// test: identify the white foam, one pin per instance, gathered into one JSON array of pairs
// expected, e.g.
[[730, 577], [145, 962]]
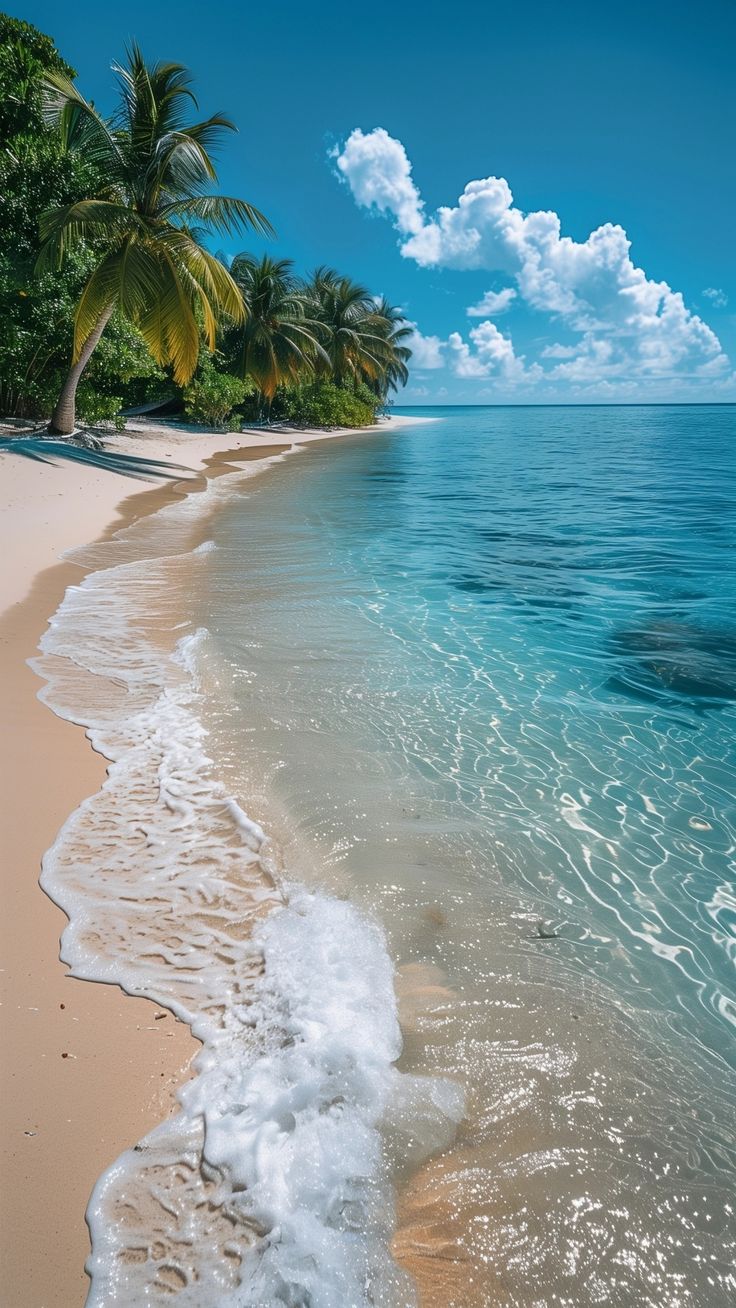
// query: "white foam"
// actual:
[[299, 1125], [273, 1184]]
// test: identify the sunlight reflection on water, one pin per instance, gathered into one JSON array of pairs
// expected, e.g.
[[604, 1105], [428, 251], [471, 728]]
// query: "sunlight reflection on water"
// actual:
[[480, 675]]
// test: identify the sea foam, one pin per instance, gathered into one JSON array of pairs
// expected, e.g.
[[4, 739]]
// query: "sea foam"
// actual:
[[273, 1184]]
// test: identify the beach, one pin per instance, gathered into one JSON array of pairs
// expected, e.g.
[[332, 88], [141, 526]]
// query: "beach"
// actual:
[[367, 660], [353, 833], [86, 1069]]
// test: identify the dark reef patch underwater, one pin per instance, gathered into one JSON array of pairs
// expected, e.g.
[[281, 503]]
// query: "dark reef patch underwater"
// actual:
[[687, 662]]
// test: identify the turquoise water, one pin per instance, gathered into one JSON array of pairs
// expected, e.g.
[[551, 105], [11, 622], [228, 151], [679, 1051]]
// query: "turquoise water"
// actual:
[[479, 675]]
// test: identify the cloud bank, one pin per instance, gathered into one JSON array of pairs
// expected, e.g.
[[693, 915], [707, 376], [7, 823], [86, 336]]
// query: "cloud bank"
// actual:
[[628, 327]]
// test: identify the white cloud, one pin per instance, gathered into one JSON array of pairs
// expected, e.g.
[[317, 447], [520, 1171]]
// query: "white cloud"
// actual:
[[559, 351], [630, 327], [491, 355], [426, 351], [464, 362], [716, 296], [492, 303], [379, 173]]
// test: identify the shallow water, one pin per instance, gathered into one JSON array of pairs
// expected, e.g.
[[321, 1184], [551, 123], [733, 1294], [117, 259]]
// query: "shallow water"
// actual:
[[273, 1184], [479, 676]]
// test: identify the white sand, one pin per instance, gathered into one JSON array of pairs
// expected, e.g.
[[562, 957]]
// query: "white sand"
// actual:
[[45, 511]]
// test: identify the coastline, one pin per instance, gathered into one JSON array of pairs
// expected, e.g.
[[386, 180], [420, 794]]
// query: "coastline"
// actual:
[[75, 1053]]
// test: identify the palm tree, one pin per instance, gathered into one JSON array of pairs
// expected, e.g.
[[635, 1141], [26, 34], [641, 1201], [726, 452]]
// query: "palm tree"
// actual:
[[396, 331], [356, 346], [150, 264], [279, 342]]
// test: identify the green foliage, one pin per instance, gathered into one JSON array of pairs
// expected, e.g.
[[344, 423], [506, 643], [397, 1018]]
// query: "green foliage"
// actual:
[[211, 395], [357, 348], [323, 404], [37, 310], [36, 344], [121, 373], [39, 50], [36, 173], [321, 352], [146, 217], [279, 342]]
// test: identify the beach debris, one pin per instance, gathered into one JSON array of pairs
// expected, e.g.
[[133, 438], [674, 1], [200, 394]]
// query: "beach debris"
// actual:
[[158, 1016], [65, 1055], [435, 916], [544, 931], [30, 1132]]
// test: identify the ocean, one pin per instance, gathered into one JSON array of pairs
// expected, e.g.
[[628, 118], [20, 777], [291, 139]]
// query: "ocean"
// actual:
[[423, 808]]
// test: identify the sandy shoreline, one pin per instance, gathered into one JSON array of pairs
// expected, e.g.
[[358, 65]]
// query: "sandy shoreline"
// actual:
[[75, 1054]]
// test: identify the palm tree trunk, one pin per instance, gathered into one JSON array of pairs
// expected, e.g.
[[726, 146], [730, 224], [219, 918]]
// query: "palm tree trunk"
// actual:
[[63, 417]]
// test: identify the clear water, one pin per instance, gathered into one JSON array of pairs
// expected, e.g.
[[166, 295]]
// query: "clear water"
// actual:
[[479, 676], [274, 1183]]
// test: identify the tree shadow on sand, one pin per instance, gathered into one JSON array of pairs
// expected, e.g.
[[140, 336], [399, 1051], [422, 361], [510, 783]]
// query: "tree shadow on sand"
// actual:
[[46, 450]]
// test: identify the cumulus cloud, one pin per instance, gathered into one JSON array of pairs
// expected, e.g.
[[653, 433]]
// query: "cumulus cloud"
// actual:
[[492, 303], [426, 351], [716, 296], [629, 326], [379, 173], [464, 362], [490, 354]]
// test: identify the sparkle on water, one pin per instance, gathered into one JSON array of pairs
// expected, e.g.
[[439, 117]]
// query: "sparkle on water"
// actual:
[[480, 675]]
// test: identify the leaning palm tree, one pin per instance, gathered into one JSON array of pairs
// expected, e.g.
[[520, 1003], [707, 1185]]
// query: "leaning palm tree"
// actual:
[[142, 224], [280, 341], [356, 346]]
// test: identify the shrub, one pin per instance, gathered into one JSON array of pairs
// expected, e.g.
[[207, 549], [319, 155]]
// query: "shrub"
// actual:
[[211, 395], [94, 408], [323, 404]]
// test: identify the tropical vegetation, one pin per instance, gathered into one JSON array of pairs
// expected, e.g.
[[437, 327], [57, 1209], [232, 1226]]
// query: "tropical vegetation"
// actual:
[[111, 292]]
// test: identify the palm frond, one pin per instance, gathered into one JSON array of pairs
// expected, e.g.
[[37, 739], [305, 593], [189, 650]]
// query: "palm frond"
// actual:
[[221, 212], [80, 125], [63, 229], [170, 326], [208, 271], [153, 97], [101, 291]]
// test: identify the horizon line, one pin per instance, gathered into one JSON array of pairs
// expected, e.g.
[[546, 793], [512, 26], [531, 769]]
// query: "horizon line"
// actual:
[[584, 404]]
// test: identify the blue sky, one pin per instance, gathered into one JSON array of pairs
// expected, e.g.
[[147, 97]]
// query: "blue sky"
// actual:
[[609, 117]]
